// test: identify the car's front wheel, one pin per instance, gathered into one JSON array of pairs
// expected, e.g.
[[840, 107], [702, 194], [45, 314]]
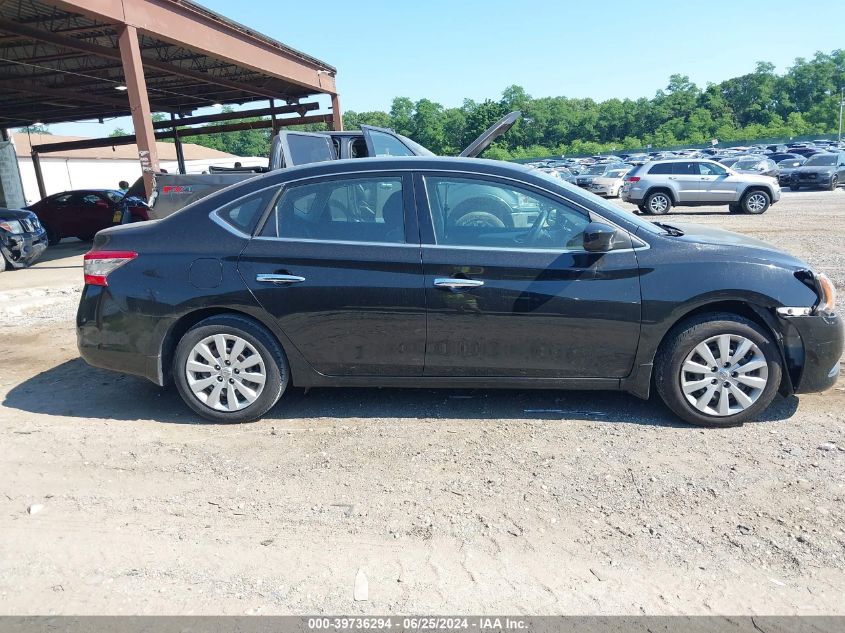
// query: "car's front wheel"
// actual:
[[834, 182], [717, 369], [658, 203], [52, 237], [228, 368], [755, 202]]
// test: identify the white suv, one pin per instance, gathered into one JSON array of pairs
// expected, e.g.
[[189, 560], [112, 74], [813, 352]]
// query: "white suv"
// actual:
[[659, 185]]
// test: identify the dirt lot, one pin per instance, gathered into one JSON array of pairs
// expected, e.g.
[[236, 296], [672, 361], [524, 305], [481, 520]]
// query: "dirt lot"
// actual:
[[448, 501]]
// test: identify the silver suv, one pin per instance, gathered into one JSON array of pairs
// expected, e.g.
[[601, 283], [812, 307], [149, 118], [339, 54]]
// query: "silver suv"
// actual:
[[659, 185]]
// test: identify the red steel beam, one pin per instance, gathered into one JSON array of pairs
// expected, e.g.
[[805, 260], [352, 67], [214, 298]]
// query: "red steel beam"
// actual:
[[186, 24], [142, 117]]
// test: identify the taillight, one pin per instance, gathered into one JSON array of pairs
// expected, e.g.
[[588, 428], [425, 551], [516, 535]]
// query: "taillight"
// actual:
[[632, 179], [100, 264]]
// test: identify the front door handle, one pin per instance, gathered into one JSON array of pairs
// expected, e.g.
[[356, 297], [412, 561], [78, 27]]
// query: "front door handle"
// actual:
[[452, 283], [279, 279]]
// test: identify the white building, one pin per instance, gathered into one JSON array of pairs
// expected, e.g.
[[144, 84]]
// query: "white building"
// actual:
[[105, 167]]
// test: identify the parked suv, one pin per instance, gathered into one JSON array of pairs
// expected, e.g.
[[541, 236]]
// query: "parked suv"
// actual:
[[658, 186]]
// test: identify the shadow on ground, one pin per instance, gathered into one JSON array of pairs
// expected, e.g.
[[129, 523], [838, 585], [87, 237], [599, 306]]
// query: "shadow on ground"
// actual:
[[78, 390]]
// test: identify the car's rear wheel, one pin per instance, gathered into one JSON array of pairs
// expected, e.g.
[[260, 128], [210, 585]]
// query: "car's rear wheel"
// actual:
[[717, 369], [834, 182], [658, 203], [228, 368], [755, 202]]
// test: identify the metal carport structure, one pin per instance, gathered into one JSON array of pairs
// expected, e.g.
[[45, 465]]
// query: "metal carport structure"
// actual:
[[71, 60]]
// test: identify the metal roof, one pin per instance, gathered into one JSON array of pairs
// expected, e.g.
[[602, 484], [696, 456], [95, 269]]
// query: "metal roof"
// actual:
[[60, 61]]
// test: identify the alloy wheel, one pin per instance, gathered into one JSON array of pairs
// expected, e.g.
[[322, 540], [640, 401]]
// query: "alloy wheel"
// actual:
[[724, 375], [225, 372], [756, 202], [658, 204]]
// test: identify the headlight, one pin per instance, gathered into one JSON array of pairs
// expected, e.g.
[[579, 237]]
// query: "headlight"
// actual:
[[827, 294], [12, 226]]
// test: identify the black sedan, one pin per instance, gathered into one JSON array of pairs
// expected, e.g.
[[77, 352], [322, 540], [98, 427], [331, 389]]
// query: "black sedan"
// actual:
[[438, 272], [822, 171], [22, 238]]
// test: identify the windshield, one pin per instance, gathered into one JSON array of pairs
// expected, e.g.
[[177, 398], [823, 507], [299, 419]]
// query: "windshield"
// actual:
[[790, 162], [616, 173], [595, 170], [747, 164], [822, 159]]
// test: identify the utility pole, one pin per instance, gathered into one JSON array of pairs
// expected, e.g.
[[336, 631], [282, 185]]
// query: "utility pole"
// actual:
[[841, 103]]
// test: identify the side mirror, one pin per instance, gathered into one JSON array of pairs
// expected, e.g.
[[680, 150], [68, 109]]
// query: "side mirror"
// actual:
[[598, 237]]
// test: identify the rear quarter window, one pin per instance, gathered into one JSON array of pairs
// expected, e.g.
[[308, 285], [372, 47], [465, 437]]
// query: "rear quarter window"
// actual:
[[661, 168], [243, 214]]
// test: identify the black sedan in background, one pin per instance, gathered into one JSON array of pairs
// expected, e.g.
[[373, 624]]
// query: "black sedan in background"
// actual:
[[369, 272], [821, 171], [22, 238]]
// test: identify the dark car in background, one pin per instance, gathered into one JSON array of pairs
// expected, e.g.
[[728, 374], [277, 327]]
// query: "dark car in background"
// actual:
[[84, 212], [22, 238], [821, 171], [786, 167], [354, 273]]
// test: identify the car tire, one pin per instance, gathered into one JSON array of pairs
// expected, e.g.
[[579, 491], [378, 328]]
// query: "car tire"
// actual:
[[52, 238], [2, 263], [211, 393], [481, 219], [658, 203], [795, 187], [755, 202], [834, 183], [486, 210], [694, 396], [734, 207]]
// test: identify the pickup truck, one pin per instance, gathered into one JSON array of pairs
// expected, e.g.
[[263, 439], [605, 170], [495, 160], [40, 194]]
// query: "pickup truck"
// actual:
[[171, 192]]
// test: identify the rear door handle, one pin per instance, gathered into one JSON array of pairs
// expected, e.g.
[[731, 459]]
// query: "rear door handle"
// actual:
[[279, 279], [449, 282]]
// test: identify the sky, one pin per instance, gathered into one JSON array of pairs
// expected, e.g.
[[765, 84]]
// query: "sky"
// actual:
[[449, 50]]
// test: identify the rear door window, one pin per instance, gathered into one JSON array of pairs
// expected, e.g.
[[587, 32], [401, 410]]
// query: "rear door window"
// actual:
[[348, 209], [685, 169]]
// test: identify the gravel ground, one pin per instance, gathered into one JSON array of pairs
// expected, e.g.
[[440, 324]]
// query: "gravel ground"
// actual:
[[446, 501]]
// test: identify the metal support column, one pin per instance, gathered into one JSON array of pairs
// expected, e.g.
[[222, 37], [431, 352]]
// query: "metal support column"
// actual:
[[180, 155], [274, 129], [337, 115], [39, 177], [136, 84]]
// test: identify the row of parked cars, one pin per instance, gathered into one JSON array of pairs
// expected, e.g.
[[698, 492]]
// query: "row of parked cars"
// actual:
[[816, 164], [26, 233]]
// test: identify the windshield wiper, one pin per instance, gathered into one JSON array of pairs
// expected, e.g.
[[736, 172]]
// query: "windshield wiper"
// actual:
[[674, 231]]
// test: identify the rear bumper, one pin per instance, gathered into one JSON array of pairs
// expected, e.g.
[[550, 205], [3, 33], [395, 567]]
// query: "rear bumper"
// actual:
[[22, 249], [822, 338], [112, 338]]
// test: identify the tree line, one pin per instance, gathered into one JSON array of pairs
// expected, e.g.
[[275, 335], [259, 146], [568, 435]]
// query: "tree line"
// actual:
[[804, 100]]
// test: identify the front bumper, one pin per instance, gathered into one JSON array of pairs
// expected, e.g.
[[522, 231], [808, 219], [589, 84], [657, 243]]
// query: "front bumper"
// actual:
[[811, 180], [822, 340], [22, 249]]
